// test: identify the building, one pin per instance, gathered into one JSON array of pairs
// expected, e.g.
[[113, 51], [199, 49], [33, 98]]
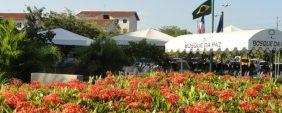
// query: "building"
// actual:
[[19, 18], [127, 20]]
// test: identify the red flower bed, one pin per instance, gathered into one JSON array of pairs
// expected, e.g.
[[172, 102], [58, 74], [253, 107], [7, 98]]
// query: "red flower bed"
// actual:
[[155, 92]]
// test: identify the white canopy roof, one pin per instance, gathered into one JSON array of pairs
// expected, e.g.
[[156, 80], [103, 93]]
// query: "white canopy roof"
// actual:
[[152, 36], [65, 37], [267, 39], [231, 28]]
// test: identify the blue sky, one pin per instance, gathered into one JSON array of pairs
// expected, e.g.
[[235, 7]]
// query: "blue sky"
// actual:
[[246, 14]]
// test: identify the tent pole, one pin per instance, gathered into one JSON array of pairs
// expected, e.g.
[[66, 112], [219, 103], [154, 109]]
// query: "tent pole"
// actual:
[[274, 65], [275, 55], [213, 1], [276, 69], [240, 61], [278, 74], [221, 66], [211, 61]]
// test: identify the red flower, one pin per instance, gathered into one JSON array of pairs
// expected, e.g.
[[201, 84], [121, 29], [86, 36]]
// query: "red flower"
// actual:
[[179, 79], [252, 93], [35, 84], [226, 77], [109, 73], [77, 84], [85, 96], [16, 83], [267, 97], [56, 85], [171, 98], [134, 105], [145, 96], [73, 108], [204, 86], [41, 109], [249, 106], [38, 109], [164, 91], [52, 98], [14, 99], [257, 87], [94, 90], [199, 107], [211, 91], [149, 81], [209, 75], [226, 94], [147, 106], [134, 84], [160, 74], [276, 91], [198, 77], [24, 105]]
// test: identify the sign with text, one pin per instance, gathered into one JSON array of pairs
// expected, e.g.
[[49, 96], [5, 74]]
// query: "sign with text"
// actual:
[[203, 45], [265, 44]]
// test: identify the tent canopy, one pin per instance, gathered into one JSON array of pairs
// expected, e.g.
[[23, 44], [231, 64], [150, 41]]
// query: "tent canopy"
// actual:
[[231, 28], [266, 39], [65, 37], [152, 36]]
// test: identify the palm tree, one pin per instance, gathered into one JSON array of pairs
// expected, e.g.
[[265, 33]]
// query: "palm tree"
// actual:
[[10, 38]]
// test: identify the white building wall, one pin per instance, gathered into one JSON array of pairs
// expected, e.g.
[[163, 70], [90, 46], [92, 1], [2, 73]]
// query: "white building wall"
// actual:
[[123, 25], [20, 22], [133, 24]]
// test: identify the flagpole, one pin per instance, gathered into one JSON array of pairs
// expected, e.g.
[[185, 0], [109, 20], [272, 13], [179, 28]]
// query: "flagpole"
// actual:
[[222, 20], [213, 16], [211, 57]]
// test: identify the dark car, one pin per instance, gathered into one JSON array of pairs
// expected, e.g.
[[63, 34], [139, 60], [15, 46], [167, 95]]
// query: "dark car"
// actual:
[[178, 64], [264, 65]]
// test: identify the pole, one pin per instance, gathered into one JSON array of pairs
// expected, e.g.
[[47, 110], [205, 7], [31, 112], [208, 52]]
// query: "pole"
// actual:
[[277, 23], [278, 67], [276, 62], [213, 1], [222, 20], [211, 61]]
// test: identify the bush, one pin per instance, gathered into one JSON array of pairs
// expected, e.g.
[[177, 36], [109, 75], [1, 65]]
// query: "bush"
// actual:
[[143, 50], [100, 57], [10, 39], [151, 93], [38, 54]]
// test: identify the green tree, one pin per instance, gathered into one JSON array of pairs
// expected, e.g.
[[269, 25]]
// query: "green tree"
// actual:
[[143, 50], [38, 52], [174, 31], [101, 56], [69, 22], [10, 38], [114, 31]]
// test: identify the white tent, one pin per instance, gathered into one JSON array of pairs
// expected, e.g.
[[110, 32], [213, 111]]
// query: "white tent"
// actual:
[[266, 39], [231, 28], [152, 36], [65, 37]]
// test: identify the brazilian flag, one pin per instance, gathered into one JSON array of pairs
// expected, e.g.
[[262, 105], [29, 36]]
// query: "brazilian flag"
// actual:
[[202, 10]]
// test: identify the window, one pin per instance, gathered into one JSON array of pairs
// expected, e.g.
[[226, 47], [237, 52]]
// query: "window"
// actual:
[[116, 21], [124, 20], [19, 25], [106, 17]]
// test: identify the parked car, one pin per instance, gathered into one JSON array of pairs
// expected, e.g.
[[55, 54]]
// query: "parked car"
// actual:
[[264, 65], [178, 64]]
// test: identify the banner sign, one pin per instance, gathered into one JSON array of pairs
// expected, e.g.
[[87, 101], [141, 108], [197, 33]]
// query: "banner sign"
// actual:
[[203, 45], [257, 43]]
